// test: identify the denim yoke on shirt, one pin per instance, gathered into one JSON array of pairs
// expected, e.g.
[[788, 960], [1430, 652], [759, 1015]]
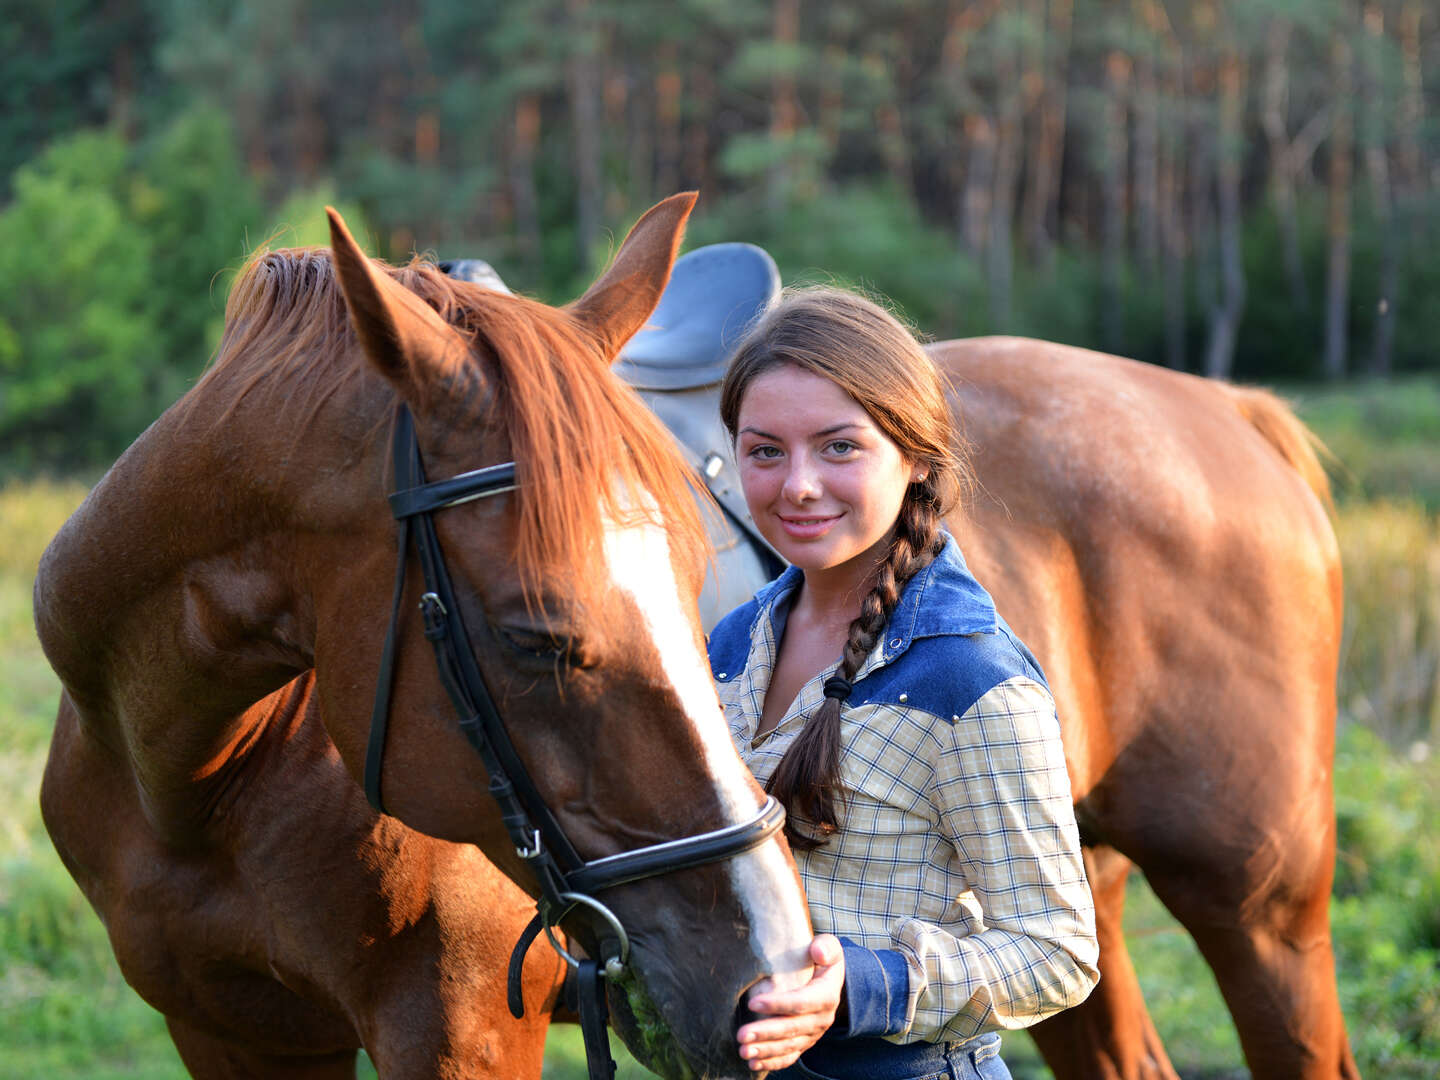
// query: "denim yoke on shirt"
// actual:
[[955, 880]]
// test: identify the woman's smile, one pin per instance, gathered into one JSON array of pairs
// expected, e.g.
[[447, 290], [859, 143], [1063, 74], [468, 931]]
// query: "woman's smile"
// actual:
[[807, 528]]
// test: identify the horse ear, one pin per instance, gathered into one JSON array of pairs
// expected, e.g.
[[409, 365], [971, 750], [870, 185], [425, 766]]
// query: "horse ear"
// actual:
[[625, 295], [402, 335]]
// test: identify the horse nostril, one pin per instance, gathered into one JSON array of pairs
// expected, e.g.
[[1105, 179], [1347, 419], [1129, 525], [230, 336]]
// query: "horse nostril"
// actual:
[[743, 1012]]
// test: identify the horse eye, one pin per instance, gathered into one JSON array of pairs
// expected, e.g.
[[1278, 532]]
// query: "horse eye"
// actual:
[[543, 644]]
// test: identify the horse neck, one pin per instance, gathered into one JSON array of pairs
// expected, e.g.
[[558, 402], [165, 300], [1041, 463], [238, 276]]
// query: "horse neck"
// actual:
[[172, 600]]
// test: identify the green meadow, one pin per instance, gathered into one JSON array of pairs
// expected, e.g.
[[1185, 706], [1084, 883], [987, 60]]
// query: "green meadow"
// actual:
[[66, 1014]]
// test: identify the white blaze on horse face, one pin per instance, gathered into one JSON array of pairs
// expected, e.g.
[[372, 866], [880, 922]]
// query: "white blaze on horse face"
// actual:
[[638, 558]]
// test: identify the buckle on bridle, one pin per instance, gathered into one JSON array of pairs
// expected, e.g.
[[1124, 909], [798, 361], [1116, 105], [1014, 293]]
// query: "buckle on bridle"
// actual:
[[432, 614], [533, 848]]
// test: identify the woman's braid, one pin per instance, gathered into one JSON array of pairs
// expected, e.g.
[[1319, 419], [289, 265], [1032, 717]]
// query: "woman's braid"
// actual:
[[807, 780]]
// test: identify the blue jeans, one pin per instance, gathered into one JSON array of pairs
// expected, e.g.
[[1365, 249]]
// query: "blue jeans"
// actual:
[[876, 1059]]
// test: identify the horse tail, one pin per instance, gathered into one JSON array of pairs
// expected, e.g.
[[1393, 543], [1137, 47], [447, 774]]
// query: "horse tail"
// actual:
[[1285, 431]]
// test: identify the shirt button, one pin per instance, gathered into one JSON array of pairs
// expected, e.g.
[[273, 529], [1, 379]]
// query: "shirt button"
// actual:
[[904, 698], [895, 643], [721, 675]]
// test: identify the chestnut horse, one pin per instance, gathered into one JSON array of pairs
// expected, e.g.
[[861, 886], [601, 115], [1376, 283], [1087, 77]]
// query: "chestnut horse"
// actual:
[[215, 611], [1161, 542]]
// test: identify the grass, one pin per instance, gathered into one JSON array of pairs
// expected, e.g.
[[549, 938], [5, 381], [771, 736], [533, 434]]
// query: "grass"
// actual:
[[1383, 435], [66, 1014]]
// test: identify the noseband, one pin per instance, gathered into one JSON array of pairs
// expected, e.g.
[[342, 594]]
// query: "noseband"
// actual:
[[567, 881]]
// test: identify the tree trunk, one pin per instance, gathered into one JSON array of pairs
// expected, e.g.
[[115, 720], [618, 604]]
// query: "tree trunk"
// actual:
[[582, 83], [970, 148], [642, 129], [525, 138], [1377, 169], [1342, 146], [1273, 118], [890, 127], [1147, 164], [695, 170], [979, 183], [1041, 212], [1200, 189], [668, 146], [1412, 102], [1225, 317], [1000, 251], [784, 106], [122, 90], [830, 116], [1116, 150], [615, 98], [1172, 225]]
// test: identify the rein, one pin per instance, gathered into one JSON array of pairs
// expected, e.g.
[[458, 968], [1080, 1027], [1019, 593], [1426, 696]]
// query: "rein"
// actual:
[[567, 881]]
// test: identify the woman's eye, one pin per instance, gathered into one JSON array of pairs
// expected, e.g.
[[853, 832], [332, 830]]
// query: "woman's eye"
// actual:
[[765, 452], [842, 448]]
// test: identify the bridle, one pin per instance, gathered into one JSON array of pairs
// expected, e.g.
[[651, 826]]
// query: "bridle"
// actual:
[[567, 881]]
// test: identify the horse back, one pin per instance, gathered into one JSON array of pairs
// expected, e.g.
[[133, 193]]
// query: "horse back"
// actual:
[[1165, 553]]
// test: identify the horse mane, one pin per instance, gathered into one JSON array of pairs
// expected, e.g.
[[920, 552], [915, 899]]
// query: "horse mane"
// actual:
[[585, 446]]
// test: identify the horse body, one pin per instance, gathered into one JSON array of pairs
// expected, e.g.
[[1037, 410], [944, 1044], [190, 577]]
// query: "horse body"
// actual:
[[298, 924], [215, 611], [1159, 542]]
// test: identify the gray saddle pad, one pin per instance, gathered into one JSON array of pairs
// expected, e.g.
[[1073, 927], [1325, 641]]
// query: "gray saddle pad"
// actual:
[[714, 294]]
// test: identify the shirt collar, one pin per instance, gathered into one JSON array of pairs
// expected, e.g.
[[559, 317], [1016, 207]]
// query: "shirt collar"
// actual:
[[944, 598]]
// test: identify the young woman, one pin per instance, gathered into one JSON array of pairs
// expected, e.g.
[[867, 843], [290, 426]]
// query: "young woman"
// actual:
[[875, 691]]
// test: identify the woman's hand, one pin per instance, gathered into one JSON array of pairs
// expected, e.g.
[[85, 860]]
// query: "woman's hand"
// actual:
[[791, 1021]]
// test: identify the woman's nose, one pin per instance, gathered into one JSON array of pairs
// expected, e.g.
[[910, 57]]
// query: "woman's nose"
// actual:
[[802, 484]]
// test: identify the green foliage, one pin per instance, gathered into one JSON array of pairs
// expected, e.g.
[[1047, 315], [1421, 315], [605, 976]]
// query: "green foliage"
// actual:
[[1386, 916], [195, 204], [851, 237], [67, 67], [301, 221], [112, 281], [1382, 435], [75, 306]]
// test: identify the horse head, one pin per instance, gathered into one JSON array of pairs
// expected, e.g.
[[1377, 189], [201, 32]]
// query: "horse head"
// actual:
[[577, 593]]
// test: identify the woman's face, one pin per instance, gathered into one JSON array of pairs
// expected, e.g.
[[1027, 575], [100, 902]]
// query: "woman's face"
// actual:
[[823, 483]]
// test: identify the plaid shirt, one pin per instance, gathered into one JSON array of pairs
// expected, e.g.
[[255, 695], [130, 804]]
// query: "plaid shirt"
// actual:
[[956, 880]]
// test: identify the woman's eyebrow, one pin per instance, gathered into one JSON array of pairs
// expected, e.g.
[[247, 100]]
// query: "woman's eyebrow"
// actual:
[[834, 429]]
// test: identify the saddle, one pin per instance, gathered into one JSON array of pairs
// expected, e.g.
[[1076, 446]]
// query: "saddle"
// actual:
[[675, 365]]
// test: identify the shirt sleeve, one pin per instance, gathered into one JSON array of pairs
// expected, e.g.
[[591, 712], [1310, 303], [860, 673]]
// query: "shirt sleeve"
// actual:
[[1002, 798]]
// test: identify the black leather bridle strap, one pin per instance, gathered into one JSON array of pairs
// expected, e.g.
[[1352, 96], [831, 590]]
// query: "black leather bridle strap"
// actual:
[[380, 710], [427, 498], [606, 873], [594, 1017]]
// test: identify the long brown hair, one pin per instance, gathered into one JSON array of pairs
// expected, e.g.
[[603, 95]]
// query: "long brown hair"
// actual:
[[872, 356]]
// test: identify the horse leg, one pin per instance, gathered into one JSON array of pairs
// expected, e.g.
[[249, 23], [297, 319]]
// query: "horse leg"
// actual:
[[1274, 964], [1110, 1035], [444, 1013], [209, 1057]]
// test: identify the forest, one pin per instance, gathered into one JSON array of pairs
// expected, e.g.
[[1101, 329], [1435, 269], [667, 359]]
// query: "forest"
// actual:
[[1240, 190], [1248, 191]]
